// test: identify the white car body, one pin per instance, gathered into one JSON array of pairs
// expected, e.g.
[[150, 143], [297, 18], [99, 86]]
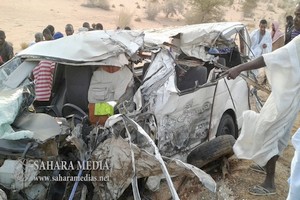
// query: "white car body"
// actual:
[[185, 119]]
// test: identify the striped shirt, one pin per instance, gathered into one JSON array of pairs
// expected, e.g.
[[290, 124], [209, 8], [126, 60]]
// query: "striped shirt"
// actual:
[[43, 77], [294, 34]]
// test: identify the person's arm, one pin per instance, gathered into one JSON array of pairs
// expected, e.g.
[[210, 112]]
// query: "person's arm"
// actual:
[[232, 73], [1, 60], [267, 42]]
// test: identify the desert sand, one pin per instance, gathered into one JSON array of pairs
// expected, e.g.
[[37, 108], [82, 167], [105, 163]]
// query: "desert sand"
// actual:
[[21, 19]]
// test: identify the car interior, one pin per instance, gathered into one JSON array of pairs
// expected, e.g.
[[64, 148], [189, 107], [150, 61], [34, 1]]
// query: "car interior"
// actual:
[[190, 77], [71, 83], [69, 92]]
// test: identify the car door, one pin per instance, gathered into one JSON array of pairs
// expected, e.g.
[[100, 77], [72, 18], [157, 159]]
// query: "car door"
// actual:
[[183, 117]]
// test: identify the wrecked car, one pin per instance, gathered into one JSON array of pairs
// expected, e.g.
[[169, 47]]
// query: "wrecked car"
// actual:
[[140, 126], [199, 105]]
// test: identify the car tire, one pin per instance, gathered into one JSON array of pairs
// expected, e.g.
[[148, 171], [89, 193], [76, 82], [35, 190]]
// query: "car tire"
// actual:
[[212, 150], [227, 126]]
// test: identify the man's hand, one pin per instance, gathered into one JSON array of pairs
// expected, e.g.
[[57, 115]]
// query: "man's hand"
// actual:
[[1, 61], [232, 73]]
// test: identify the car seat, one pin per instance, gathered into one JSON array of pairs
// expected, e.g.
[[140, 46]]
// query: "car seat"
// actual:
[[193, 77], [77, 86], [232, 58]]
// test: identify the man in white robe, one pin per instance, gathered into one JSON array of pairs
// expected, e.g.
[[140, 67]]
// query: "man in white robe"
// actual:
[[261, 40], [264, 135], [294, 180]]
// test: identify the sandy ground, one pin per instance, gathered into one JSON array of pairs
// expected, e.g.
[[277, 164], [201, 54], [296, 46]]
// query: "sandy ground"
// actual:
[[21, 19]]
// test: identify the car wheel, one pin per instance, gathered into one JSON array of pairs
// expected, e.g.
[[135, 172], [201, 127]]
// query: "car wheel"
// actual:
[[227, 126], [212, 150]]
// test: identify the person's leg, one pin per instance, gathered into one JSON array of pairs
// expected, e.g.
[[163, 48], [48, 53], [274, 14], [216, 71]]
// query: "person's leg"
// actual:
[[269, 182], [268, 186]]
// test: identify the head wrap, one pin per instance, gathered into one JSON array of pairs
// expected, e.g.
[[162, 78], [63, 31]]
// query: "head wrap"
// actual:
[[277, 32]]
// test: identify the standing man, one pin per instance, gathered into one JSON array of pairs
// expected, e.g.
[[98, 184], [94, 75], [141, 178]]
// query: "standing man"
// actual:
[[261, 40], [296, 25], [288, 28], [47, 34], [69, 30], [99, 26], [277, 36], [87, 26], [294, 180], [265, 135], [51, 29], [6, 50], [43, 78], [38, 37]]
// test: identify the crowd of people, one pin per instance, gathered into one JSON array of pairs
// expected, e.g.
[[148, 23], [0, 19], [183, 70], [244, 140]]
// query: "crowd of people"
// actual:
[[48, 33]]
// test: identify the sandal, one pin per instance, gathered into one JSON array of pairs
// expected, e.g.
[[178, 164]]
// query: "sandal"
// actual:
[[257, 168], [259, 190]]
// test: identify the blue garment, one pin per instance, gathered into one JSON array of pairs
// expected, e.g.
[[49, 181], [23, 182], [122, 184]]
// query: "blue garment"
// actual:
[[57, 35]]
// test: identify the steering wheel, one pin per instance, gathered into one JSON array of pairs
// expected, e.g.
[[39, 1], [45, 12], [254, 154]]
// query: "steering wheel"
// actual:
[[74, 107]]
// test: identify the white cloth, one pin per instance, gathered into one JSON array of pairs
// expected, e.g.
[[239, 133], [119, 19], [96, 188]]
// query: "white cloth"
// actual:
[[107, 86], [266, 134], [257, 46], [294, 181]]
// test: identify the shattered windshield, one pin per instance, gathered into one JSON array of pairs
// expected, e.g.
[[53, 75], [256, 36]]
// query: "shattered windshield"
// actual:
[[7, 69]]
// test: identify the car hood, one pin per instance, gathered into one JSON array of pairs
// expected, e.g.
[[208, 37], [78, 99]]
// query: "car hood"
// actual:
[[88, 48]]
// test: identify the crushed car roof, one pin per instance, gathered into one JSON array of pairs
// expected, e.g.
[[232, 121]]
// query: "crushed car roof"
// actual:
[[90, 46], [193, 38]]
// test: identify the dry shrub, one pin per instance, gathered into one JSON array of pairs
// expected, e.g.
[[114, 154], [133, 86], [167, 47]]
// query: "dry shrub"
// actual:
[[249, 14], [282, 5], [270, 8], [138, 7], [173, 7], [152, 10], [203, 11], [103, 4], [121, 5], [113, 6], [124, 19], [248, 7], [24, 45], [230, 2], [251, 26], [198, 18], [288, 6], [138, 19]]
